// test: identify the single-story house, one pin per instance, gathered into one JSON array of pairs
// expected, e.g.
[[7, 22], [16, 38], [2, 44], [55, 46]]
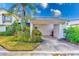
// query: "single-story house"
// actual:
[[50, 26]]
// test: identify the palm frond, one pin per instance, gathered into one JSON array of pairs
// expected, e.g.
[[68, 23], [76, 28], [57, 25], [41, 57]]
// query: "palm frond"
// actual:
[[32, 7]]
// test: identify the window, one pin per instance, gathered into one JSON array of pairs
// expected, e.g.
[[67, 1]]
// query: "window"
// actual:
[[6, 19]]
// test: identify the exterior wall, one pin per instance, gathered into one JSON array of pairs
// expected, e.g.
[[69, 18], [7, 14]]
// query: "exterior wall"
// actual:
[[61, 31], [3, 27], [2, 11], [58, 31]]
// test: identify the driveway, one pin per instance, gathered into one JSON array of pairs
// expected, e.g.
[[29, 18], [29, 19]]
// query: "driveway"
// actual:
[[52, 44]]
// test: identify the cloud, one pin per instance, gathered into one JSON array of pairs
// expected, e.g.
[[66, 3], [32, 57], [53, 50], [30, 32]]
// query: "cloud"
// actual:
[[57, 13], [44, 5]]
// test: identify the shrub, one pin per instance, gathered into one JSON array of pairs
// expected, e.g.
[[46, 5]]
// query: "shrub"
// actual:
[[16, 26], [22, 36], [36, 35], [72, 34], [25, 36]]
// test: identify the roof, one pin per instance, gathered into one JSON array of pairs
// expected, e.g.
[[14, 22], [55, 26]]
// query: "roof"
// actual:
[[48, 18], [47, 21]]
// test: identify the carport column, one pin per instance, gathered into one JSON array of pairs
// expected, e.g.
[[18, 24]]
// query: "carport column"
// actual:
[[31, 28], [58, 31]]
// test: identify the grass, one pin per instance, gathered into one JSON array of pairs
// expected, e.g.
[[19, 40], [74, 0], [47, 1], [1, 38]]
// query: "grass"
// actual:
[[6, 43]]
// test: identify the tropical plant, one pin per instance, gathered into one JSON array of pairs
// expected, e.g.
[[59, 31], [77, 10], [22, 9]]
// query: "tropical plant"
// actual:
[[22, 30], [23, 12]]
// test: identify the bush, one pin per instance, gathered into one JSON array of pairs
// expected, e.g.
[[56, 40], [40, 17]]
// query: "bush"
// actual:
[[25, 36], [36, 35], [22, 36], [16, 26], [72, 34]]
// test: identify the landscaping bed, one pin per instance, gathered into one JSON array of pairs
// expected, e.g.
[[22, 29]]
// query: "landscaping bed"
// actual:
[[9, 45], [16, 38]]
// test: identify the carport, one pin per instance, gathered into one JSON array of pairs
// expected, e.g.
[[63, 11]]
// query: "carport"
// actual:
[[50, 26]]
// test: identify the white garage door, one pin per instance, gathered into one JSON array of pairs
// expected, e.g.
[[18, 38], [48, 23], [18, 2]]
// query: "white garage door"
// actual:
[[45, 29]]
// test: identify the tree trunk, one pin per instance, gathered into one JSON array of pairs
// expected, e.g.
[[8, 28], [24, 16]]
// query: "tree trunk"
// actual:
[[22, 20]]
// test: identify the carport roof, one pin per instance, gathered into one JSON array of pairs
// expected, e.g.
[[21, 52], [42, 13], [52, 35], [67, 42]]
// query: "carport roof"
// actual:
[[48, 21], [48, 18]]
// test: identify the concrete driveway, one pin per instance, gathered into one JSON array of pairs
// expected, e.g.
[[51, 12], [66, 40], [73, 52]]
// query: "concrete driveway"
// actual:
[[52, 44]]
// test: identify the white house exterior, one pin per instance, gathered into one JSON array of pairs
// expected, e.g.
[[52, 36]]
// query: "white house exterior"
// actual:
[[3, 24], [49, 25], [3, 11]]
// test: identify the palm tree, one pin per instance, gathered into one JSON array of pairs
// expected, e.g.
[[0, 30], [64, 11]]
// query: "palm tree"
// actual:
[[24, 12], [14, 10]]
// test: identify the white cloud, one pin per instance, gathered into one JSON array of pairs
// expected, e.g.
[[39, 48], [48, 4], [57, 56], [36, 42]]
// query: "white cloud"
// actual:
[[44, 5], [57, 13]]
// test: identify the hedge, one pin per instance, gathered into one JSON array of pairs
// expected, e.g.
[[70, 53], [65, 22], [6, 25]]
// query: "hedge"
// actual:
[[72, 34]]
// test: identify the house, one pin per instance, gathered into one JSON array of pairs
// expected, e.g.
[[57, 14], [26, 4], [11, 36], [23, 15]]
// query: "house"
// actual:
[[6, 18], [50, 26]]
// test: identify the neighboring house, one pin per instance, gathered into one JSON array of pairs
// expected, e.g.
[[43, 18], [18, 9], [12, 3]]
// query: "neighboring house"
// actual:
[[73, 22], [6, 19]]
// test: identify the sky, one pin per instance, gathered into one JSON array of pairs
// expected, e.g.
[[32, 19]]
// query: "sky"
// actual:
[[67, 10]]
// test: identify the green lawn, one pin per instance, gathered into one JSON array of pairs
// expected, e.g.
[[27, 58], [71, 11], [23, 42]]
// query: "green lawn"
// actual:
[[6, 43]]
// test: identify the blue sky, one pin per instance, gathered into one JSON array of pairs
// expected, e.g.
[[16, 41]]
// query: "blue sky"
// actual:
[[68, 10]]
